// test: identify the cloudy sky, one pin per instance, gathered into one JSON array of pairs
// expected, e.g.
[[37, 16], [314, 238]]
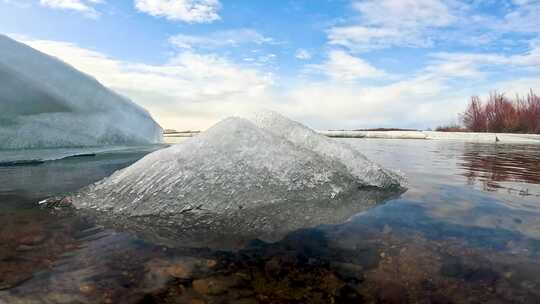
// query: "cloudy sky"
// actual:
[[327, 63]]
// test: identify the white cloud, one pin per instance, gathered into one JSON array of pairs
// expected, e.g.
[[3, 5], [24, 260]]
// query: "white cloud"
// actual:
[[519, 86], [193, 91], [387, 23], [529, 59], [341, 66], [454, 69], [432, 96], [524, 18], [220, 39], [302, 54], [405, 13], [190, 91], [19, 3], [191, 11], [477, 68], [418, 102], [427, 23], [361, 38], [83, 6]]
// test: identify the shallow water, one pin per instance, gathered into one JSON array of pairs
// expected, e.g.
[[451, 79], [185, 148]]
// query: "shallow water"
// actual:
[[466, 231]]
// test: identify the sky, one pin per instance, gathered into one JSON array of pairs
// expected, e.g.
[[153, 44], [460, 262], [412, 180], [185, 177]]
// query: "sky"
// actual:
[[331, 64]]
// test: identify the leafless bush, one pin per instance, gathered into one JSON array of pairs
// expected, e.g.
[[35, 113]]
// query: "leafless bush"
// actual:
[[501, 114]]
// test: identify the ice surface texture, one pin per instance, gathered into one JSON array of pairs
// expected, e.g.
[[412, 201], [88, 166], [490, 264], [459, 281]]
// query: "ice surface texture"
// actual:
[[244, 178], [45, 103], [358, 165]]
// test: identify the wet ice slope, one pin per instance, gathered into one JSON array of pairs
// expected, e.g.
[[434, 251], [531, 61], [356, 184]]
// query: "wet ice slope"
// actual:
[[45, 103], [355, 162], [243, 178]]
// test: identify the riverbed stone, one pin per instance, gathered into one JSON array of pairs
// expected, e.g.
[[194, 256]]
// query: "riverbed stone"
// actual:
[[215, 285]]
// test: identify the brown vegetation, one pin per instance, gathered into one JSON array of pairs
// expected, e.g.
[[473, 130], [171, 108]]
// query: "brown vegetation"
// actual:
[[500, 114], [451, 128]]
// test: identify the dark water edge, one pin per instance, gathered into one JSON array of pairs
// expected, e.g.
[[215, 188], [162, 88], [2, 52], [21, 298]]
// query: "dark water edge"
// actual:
[[449, 239]]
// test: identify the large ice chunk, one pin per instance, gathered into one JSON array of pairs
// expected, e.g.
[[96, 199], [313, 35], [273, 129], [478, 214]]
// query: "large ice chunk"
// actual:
[[231, 166], [358, 165], [45, 103], [238, 179]]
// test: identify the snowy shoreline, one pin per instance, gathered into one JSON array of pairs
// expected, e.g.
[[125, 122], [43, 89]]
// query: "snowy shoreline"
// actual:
[[434, 135], [431, 135]]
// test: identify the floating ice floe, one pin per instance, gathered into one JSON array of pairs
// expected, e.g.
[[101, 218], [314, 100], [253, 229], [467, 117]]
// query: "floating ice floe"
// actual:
[[263, 174], [45, 103]]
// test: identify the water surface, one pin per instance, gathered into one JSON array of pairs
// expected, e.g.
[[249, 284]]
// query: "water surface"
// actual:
[[466, 231]]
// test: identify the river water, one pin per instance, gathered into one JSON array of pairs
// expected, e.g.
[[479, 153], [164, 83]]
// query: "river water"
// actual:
[[466, 231]]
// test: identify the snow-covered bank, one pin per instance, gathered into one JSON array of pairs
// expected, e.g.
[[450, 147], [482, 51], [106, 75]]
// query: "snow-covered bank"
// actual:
[[485, 137], [375, 134], [473, 137], [45, 103]]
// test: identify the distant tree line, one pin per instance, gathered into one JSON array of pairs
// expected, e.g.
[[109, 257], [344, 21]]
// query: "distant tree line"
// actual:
[[500, 114]]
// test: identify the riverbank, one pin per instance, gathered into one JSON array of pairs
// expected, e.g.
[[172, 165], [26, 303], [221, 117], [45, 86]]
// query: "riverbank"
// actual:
[[435, 135], [181, 134], [431, 135]]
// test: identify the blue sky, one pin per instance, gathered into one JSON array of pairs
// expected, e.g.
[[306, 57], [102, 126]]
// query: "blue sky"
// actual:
[[327, 63]]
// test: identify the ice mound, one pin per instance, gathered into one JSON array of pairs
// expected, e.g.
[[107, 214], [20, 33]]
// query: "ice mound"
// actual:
[[358, 165], [45, 103], [239, 179], [231, 166]]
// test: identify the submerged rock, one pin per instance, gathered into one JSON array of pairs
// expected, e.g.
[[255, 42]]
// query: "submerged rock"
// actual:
[[265, 176]]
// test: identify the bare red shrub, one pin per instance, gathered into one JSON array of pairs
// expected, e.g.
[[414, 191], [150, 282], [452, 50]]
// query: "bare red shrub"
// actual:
[[501, 114], [474, 117], [528, 110]]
